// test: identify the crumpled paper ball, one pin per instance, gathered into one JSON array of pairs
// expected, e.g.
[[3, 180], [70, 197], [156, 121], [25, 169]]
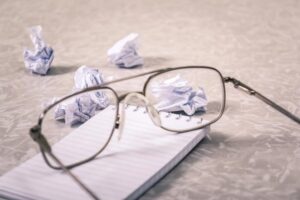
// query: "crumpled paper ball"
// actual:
[[39, 60], [84, 106], [175, 94], [124, 52]]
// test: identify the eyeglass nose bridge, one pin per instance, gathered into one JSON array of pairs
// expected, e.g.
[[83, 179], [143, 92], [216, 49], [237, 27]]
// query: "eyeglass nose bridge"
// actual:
[[154, 116]]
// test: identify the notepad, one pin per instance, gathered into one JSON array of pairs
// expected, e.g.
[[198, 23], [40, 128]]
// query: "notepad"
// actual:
[[125, 170]]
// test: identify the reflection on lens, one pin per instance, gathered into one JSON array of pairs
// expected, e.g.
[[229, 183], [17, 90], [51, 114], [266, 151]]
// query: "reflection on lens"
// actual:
[[193, 96], [84, 121]]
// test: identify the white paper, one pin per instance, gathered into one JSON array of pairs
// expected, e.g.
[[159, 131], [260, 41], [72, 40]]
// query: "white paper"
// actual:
[[39, 60], [87, 77], [125, 170], [175, 94], [124, 53]]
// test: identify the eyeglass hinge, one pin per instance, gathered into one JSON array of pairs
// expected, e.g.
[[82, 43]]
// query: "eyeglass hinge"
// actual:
[[239, 85], [35, 133]]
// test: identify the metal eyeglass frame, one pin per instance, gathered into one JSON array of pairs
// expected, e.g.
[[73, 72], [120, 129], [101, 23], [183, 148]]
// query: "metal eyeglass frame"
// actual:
[[37, 136]]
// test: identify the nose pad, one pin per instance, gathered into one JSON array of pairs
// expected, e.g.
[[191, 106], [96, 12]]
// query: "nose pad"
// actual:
[[154, 115]]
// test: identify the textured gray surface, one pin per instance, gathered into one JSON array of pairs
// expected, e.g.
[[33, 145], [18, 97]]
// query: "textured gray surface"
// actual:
[[253, 151]]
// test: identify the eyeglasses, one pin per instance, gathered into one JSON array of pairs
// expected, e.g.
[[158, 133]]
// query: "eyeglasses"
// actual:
[[195, 93]]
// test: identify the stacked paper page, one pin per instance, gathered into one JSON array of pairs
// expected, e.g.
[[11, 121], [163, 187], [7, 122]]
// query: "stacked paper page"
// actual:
[[125, 170]]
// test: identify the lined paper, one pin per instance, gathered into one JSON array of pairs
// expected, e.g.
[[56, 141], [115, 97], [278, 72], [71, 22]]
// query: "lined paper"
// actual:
[[125, 170]]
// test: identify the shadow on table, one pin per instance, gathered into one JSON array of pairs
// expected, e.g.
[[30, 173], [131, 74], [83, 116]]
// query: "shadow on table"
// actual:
[[59, 70], [208, 148], [151, 61]]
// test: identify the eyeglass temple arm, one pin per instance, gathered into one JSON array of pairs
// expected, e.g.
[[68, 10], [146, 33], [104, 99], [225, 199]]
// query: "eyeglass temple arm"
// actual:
[[44, 145], [239, 85]]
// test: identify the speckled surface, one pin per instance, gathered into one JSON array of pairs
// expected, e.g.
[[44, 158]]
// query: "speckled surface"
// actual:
[[253, 152]]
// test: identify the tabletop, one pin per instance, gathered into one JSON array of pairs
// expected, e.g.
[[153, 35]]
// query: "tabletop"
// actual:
[[252, 152]]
